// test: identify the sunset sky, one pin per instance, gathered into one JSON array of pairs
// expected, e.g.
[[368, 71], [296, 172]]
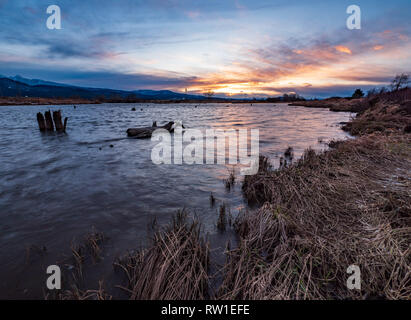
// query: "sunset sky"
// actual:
[[240, 48]]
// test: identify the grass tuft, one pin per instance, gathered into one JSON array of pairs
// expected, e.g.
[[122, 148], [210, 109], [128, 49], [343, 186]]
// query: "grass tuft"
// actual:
[[173, 267]]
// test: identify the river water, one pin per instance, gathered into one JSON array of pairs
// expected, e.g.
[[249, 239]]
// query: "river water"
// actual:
[[56, 188]]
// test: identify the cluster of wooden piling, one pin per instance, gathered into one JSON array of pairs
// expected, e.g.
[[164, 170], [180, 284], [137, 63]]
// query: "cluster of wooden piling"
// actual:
[[49, 123]]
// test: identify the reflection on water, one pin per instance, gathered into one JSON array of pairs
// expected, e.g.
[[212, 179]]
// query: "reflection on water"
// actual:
[[55, 188]]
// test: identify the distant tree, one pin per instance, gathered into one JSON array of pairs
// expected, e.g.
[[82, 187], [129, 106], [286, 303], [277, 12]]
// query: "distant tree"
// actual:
[[209, 94], [358, 94], [400, 81]]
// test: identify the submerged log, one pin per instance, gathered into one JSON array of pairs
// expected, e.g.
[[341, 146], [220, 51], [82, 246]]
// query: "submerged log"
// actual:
[[146, 132], [49, 121], [41, 122], [57, 121]]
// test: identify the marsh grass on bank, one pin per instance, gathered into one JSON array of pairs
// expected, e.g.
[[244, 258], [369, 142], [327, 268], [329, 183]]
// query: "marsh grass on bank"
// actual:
[[322, 214], [173, 267], [388, 112]]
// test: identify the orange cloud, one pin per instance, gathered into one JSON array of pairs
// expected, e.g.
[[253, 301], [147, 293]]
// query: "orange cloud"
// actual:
[[306, 68], [343, 49]]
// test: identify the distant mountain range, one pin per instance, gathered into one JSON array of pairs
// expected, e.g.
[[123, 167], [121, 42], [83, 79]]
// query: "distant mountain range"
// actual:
[[18, 86]]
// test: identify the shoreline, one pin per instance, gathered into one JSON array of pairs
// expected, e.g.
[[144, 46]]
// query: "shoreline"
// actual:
[[20, 101], [334, 104], [15, 101]]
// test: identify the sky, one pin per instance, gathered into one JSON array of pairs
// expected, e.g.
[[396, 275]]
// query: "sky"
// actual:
[[236, 48]]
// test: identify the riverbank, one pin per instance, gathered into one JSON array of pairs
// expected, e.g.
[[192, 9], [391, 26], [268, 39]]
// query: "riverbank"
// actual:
[[347, 206], [358, 105], [334, 104], [22, 101], [350, 205]]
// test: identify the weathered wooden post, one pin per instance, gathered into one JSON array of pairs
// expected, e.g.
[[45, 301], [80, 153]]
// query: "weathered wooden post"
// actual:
[[40, 121], [57, 121], [49, 121], [46, 122], [65, 124]]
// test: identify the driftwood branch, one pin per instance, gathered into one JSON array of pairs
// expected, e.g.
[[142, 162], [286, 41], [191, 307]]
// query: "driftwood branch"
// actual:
[[146, 132]]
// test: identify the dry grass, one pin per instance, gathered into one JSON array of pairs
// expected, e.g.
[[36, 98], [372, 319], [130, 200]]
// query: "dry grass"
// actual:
[[289, 153], [335, 104], [322, 214], [358, 105], [93, 242], [230, 181], [386, 113], [89, 247], [78, 254], [252, 192], [173, 267], [222, 218], [212, 200], [5, 101]]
